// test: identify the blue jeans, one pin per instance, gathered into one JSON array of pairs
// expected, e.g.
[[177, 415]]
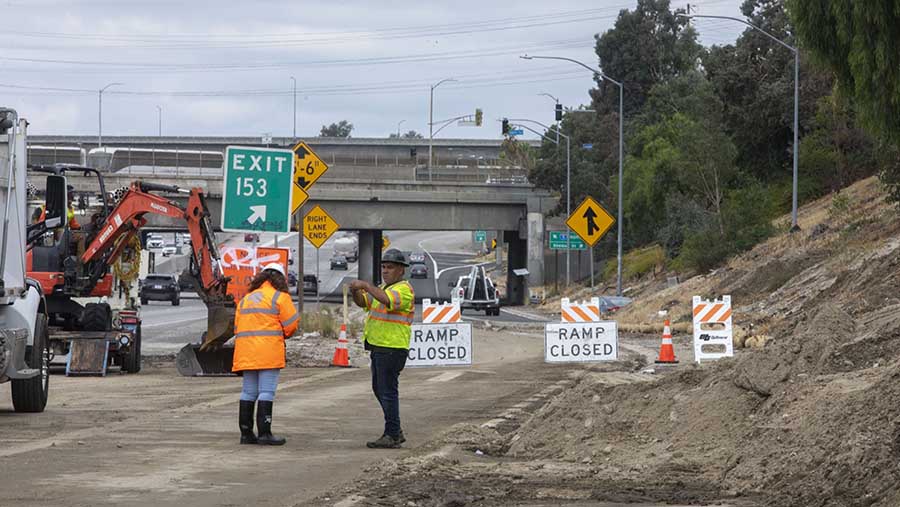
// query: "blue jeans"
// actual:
[[386, 368], [260, 385]]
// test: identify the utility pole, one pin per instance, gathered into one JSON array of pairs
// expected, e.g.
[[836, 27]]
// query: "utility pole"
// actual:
[[398, 128], [159, 109], [100, 113], [295, 106], [431, 122]]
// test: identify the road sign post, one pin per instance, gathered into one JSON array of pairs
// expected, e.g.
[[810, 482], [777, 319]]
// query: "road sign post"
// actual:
[[256, 190]]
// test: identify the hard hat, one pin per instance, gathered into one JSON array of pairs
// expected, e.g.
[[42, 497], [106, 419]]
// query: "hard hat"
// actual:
[[395, 256], [275, 266]]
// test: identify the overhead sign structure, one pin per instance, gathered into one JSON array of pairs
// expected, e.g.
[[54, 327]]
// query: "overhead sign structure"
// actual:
[[590, 221], [318, 226], [480, 236], [581, 342], [560, 240], [440, 345], [256, 195]]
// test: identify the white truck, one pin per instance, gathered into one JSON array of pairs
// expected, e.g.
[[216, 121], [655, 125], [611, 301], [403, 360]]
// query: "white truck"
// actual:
[[24, 342], [476, 291], [348, 246]]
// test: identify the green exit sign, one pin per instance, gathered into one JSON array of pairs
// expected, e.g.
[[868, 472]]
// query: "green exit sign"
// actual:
[[561, 240], [256, 195], [480, 236]]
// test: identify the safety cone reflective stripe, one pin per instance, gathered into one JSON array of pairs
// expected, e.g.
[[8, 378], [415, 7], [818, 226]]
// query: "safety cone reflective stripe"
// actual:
[[666, 350], [341, 354]]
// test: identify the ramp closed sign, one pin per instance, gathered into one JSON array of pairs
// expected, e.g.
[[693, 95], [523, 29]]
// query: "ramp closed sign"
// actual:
[[580, 342], [440, 345]]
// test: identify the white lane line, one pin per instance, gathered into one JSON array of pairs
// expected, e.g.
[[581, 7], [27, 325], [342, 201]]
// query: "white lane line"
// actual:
[[446, 376], [172, 322]]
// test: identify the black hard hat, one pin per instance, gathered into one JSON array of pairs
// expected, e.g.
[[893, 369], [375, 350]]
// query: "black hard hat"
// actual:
[[395, 256]]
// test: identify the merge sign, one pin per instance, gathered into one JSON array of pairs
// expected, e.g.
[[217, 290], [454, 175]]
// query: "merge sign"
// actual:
[[256, 193], [440, 345], [581, 342], [590, 221]]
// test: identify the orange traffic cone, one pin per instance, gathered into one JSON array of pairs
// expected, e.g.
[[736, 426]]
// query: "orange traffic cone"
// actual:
[[666, 351], [341, 354]]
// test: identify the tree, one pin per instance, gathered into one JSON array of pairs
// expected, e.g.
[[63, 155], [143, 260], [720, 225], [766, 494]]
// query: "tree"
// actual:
[[341, 129], [412, 134]]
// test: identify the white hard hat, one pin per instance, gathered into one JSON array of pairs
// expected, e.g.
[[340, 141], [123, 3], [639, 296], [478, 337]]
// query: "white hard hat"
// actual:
[[275, 266]]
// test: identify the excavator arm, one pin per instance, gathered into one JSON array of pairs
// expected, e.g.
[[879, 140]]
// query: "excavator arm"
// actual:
[[127, 218]]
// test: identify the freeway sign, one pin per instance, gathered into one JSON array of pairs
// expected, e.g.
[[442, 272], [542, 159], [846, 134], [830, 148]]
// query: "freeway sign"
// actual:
[[318, 226], [308, 167], [590, 221], [516, 132], [480, 236], [256, 194], [559, 240]]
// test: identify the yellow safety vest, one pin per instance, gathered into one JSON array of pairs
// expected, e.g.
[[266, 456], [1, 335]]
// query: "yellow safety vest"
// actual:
[[390, 326]]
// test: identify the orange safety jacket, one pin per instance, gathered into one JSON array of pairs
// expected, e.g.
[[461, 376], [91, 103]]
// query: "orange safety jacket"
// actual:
[[264, 318]]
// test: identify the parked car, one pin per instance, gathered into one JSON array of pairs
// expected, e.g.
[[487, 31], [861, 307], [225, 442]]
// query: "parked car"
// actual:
[[251, 237], [339, 262], [310, 284], [416, 257], [418, 270], [168, 250], [159, 287], [154, 241]]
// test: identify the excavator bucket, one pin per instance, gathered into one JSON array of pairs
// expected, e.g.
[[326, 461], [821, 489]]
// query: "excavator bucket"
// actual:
[[211, 357]]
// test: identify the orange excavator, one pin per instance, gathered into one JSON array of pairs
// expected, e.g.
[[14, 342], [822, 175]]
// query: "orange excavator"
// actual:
[[75, 262]]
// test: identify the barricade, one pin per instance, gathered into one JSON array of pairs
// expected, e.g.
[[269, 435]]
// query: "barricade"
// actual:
[[712, 328], [585, 311], [440, 313]]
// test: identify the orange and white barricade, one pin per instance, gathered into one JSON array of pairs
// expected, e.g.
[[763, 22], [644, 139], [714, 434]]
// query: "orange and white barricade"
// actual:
[[585, 311], [440, 313], [712, 328]]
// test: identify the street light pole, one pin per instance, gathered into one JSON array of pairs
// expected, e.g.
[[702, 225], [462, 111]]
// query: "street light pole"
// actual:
[[794, 225], [431, 121], [557, 121], [100, 113], [295, 106], [159, 109], [398, 128], [621, 197]]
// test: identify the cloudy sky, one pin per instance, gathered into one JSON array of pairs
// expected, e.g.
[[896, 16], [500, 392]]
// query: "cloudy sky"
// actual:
[[224, 67]]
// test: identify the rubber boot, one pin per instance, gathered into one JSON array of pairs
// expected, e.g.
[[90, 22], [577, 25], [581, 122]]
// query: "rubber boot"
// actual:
[[245, 422], [264, 423]]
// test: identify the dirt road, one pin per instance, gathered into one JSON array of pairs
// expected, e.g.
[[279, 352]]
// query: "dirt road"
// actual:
[[159, 439]]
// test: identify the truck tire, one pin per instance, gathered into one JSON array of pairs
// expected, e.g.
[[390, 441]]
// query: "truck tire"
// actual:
[[131, 362], [96, 317], [176, 300], [30, 395]]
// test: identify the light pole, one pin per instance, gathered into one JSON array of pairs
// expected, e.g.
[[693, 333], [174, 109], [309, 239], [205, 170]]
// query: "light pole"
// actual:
[[794, 225], [295, 107], [431, 121], [100, 113], [159, 109], [398, 128], [599, 73], [568, 184], [557, 121]]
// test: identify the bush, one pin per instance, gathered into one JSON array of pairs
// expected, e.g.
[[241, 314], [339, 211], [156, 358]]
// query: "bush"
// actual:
[[321, 321], [637, 263]]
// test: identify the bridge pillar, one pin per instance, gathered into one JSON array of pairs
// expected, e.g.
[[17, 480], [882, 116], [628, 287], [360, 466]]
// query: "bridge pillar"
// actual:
[[535, 249], [516, 286], [370, 255]]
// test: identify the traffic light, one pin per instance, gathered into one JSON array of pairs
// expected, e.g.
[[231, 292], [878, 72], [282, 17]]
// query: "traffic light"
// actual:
[[559, 111], [478, 117], [505, 128]]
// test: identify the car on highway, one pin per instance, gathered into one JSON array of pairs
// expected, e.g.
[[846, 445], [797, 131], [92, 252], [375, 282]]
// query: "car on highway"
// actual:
[[418, 270], [339, 262], [168, 250], [251, 237], [292, 278], [160, 287], [310, 284], [416, 257], [478, 295], [154, 241]]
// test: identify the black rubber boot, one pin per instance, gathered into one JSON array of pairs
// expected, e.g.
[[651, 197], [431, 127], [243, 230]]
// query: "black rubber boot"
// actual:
[[245, 422], [264, 423]]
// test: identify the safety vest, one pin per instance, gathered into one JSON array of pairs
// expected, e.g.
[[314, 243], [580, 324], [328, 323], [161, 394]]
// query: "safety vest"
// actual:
[[70, 216], [263, 319], [390, 326]]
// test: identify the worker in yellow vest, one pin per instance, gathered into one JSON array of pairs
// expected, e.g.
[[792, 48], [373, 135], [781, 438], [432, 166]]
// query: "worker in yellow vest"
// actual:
[[264, 318], [386, 335]]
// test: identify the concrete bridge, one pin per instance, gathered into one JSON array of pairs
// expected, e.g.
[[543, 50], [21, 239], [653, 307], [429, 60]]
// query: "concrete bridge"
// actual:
[[371, 207]]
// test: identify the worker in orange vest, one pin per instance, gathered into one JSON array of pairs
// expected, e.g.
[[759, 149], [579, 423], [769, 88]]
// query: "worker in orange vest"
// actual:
[[265, 317]]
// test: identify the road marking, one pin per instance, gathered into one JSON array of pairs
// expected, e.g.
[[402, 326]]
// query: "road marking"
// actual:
[[172, 323], [444, 377]]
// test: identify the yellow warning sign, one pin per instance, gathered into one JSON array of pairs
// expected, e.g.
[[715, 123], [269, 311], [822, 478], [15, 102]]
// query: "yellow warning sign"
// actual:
[[308, 167], [385, 242], [298, 197], [318, 226], [590, 221]]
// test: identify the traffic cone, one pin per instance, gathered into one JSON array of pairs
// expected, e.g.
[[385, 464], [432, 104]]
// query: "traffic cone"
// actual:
[[666, 351], [341, 354]]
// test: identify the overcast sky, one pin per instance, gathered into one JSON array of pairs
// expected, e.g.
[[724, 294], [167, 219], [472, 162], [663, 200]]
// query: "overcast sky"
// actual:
[[224, 67]]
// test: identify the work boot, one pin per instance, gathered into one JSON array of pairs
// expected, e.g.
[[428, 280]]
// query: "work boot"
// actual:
[[400, 437], [384, 442], [264, 423], [245, 422]]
